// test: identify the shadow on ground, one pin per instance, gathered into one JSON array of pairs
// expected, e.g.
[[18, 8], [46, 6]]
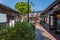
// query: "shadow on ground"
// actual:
[[46, 27]]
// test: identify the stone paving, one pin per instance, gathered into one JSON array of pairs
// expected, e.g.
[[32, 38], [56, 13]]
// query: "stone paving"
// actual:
[[52, 32], [39, 36], [42, 34]]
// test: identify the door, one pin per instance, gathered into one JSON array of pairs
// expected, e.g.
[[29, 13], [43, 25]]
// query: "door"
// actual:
[[58, 22], [51, 21]]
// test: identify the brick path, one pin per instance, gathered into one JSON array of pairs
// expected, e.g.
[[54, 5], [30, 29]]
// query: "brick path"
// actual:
[[42, 34]]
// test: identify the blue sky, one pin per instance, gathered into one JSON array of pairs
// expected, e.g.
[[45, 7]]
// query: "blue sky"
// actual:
[[38, 4]]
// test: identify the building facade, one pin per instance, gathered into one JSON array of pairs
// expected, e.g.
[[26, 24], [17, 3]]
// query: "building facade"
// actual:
[[8, 15], [51, 15]]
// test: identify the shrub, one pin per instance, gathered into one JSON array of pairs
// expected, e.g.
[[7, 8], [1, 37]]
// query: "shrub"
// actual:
[[21, 31], [26, 31]]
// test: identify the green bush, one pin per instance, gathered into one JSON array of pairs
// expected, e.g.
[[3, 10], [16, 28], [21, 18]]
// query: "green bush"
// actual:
[[21, 31], [26, 31]]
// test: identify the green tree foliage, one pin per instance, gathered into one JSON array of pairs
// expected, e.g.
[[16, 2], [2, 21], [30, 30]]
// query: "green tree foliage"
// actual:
[[22, 7]]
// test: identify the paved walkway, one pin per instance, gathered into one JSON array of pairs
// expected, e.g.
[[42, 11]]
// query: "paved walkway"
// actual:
[[42, 34], [52, 32]]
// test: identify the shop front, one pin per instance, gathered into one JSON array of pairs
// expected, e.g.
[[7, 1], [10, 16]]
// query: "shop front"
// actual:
[[52, 20], [57, 20], [8, 16]]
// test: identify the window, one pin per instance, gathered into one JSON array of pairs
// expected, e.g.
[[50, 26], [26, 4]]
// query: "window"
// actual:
[[3, 18]]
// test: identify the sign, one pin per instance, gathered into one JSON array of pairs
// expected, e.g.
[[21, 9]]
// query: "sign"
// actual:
[[3, 18]]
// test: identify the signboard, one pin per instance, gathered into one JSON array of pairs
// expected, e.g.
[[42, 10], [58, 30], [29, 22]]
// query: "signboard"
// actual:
[[3, 18]]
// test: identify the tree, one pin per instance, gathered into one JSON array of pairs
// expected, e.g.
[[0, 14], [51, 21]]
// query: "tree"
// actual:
[[22, 7]]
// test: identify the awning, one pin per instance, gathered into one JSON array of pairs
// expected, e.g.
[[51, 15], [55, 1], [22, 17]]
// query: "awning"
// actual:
[[57, 10]]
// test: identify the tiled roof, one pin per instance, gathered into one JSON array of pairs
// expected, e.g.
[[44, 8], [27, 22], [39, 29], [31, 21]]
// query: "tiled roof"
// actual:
[[8, 8]]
